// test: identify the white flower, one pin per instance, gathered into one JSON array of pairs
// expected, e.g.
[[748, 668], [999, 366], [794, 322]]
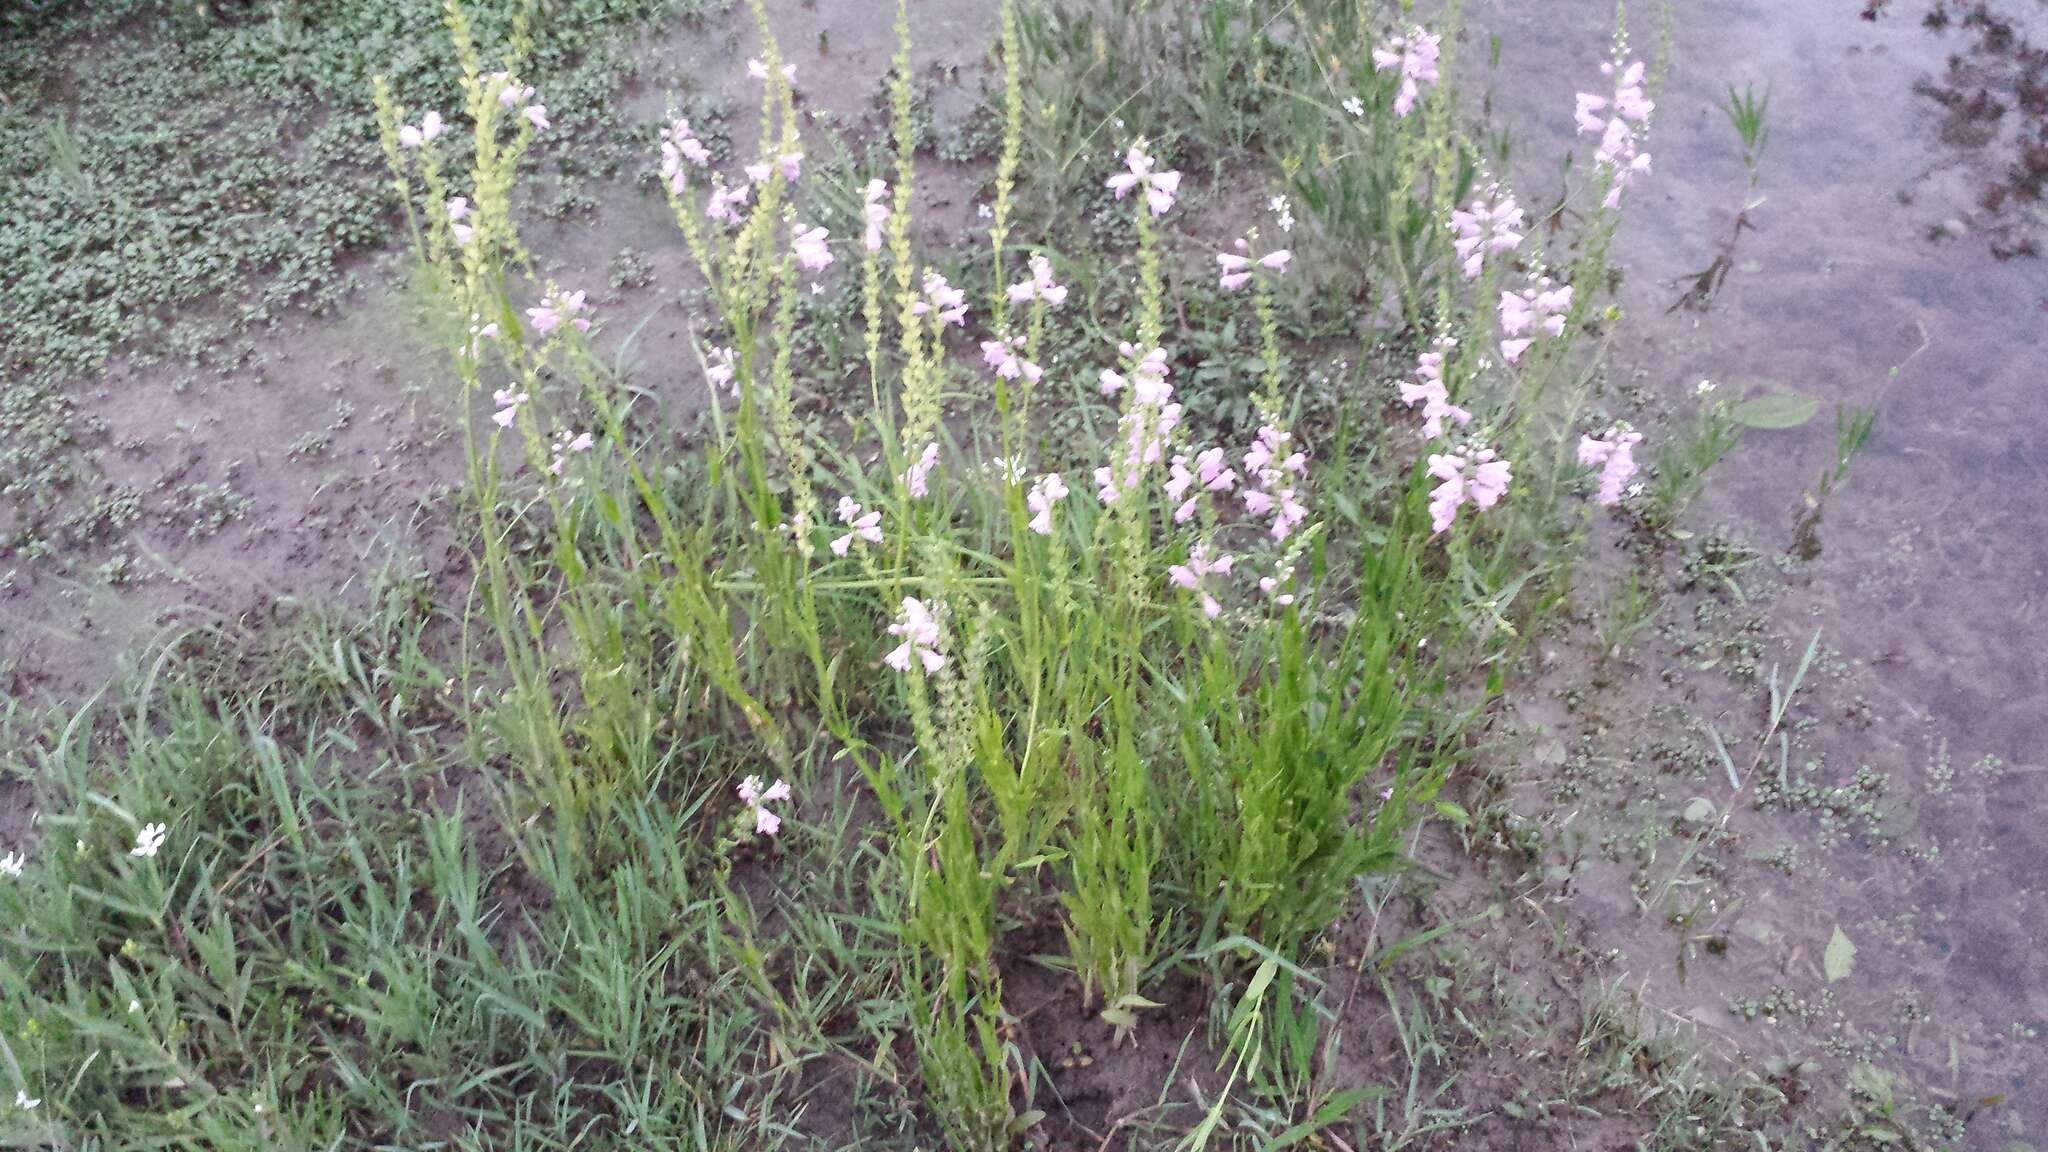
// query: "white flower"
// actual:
[[23, 1102], [148, 840], [11, 864], [1282, 211], [1354, 105]]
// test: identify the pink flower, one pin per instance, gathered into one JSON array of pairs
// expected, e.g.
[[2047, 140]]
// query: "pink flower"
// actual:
[[1272, 585], [537, 115], [1613, 452], [720, 368], [1236, 267], [1193, 576], [1147, 423], [1540, 307], [757, 799], [1222, 481], [508, 403], [478, 333], [1236, 270], [1475, 476], [918, 628], [1491, 224], [1160, 186], [1149, 368], [1003, 356], [557, 307], [916, 476], [678, 145], [947, 302], [1432, 393], [810, 249], [875, 214], [511, 93], [430, 129], [1048, 491], [1620, 121], [759, 71], [724, 202], [864, 526], [1416, 56], [565, 444], [1267, 464], [1039, 286]]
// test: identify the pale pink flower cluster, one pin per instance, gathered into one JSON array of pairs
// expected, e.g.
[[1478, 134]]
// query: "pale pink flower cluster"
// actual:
[[1237, 267], [759, 71], [757, 798], [566, 443], [1194, 574], [1428, 389], [874, 213], [557, 307], [1416, 56], [1473, 475], [918, 628], [1148, 369], [1275, 585], [478, 333], [1492, 224], [811, 250], [458, 211], [1006, 357], [724, 202], [1039, 286], [1049, 490], [1613, 452], [864, 525], [1149, 418], [790, 164], [1210, 469], [429, 129], [508, 403], [1272, 468], [1142, 171], [721, 369], [948, 303], [917, 478], [512, 94], [679, 145], [1541, 307], [1620, 121]]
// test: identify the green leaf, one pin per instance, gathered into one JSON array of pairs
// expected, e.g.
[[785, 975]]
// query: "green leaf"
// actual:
[[1840, 958], [1774, 411]]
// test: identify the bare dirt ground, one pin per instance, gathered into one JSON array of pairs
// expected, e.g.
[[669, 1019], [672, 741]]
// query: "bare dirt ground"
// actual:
[[1888, 265]]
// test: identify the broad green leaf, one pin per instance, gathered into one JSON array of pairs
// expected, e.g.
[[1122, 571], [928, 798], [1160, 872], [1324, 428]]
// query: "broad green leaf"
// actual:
[[1773, 411], [1840, 958]]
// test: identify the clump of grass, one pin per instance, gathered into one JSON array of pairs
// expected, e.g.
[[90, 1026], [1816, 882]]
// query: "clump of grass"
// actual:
[[1749, 111]]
